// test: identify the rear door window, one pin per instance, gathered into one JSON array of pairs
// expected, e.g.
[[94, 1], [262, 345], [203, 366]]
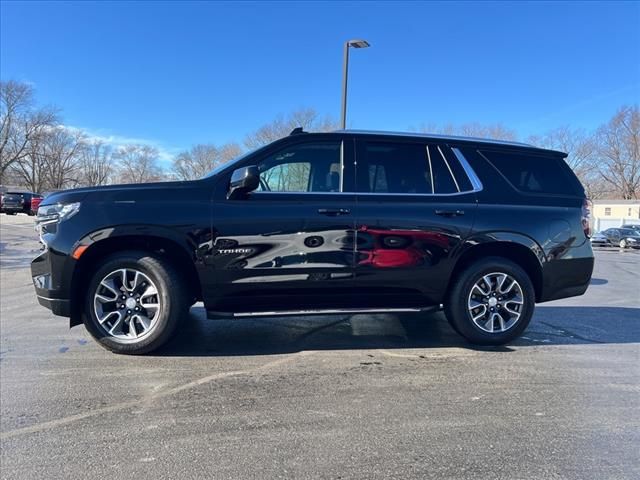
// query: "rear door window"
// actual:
[[409, 168]]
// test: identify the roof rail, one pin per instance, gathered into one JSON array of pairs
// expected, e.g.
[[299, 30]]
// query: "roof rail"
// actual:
[[297, 131]]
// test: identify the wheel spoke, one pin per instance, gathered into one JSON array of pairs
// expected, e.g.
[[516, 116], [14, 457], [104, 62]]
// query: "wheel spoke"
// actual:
[[109, 284], [118, 323], [480, 314], [132, 327]]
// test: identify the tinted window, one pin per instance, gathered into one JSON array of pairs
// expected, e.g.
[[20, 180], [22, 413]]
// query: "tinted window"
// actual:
[[458, 172], [409, 168], [627, 231], [442, 173], [394, 168], [311, 167], [535, 173]]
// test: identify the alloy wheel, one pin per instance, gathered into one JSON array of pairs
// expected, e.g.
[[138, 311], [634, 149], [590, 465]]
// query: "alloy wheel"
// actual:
[[495, 302], [127, 304]]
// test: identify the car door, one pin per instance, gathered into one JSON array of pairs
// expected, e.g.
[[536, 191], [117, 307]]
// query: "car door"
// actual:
[[289, 244], [415, 206]]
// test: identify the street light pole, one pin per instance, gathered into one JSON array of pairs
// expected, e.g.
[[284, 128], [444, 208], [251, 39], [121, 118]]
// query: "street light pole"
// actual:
[[345, 75]]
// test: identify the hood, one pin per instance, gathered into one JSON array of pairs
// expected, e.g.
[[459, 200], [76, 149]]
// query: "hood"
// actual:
[[111, 191]]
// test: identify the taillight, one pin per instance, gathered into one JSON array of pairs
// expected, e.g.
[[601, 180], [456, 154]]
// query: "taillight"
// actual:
[[586, 217]]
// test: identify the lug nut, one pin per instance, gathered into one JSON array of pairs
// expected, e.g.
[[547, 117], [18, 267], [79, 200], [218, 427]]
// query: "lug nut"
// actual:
[[137, 308], [123, 297], [121, 306], [128, 312], [492, 309]]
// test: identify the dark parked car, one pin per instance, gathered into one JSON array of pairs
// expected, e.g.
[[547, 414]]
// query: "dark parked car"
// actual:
[[600, 240], [482, 228], [623, 237], [17, 202], [632, 226]]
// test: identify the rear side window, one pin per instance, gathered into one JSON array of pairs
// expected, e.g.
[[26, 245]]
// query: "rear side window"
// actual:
[[409, 168], [535, 173]]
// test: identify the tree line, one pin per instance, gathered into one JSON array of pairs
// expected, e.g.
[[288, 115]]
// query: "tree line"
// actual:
[[40, 154]]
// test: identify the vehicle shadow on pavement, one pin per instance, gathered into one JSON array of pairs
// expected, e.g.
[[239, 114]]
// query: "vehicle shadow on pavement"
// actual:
[[267, 336]]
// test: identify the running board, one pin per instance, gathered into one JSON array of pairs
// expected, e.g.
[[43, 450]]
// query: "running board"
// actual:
[[331, 311]]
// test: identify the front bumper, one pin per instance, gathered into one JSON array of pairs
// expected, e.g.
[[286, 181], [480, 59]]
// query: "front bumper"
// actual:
[[47, 280], [58, 306]]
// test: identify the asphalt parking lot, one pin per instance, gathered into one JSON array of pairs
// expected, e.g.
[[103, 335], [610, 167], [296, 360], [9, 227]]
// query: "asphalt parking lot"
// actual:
[[361, 396]]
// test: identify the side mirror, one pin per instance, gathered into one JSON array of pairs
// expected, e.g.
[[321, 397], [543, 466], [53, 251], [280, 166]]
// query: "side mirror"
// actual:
[[243, 181]]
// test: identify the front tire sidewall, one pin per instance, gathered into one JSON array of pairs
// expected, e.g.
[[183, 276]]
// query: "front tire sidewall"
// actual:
[[459, 316], [171, 303]]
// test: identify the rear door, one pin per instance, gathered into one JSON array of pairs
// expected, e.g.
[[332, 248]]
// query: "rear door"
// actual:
[[415, 206]]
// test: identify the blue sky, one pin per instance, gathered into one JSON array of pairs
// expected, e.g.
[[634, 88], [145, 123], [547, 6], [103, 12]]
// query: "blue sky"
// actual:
[[178, 73]]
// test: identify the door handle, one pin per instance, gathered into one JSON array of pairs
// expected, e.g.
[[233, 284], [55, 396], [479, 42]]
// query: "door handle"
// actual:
[[334, 212], [450, 213]]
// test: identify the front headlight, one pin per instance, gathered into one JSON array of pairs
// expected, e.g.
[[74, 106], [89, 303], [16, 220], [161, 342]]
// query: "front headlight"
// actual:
[[56, 213], [632, 240]]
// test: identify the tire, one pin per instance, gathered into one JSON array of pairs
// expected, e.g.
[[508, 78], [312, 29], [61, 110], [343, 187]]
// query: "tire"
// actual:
[[512, 302], [10, 213], [623, 243], [138, 326]]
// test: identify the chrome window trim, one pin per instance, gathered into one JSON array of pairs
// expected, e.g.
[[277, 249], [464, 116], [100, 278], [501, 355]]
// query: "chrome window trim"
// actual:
[[449, 168], [433, 185], [471, 175], [383, 194], [476, 183]]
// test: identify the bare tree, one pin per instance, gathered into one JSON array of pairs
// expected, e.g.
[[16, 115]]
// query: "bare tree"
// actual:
[[307, 118], [96, 163], [619, 152], [20, 122], [496, 131], [31, 170], [138, 164], [201, 159], [62, 148]]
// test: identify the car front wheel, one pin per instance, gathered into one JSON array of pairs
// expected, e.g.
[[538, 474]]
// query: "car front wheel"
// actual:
[[134, 302], [491, 302], [623, 243]]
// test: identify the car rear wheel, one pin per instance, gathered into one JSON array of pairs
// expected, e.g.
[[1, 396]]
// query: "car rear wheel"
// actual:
[[134, 302], [491, 302]]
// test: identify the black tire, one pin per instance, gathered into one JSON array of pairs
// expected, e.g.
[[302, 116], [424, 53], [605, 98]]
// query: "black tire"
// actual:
[[10, 213], [174, 301], [456, 308]]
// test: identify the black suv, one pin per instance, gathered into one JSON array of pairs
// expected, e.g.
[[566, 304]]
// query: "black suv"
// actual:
[[340, 222]]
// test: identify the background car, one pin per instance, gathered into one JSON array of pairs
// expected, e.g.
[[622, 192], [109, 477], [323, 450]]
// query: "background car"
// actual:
[[17, 202], [623, 237], [600, 240], [35, 203]]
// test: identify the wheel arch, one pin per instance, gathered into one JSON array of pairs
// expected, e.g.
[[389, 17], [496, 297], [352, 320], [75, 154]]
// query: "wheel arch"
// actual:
[[521, 250], [172, 250]]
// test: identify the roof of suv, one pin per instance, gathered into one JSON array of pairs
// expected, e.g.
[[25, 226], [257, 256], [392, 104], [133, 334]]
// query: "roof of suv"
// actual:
[[455, 138]]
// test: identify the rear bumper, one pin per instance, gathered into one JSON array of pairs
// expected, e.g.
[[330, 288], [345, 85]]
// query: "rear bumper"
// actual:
[[568, 277]]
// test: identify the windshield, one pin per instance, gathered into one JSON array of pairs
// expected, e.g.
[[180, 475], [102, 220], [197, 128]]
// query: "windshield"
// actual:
[[222, 166]]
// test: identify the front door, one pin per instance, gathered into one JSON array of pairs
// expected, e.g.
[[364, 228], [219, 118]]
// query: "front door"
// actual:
[[289, 244], [416, 204]]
